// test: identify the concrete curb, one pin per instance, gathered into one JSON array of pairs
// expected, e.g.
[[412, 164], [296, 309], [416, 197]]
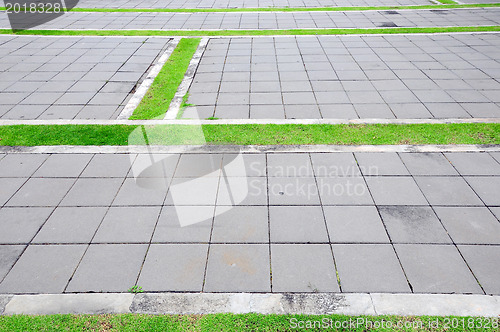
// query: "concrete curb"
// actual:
[[197, 122], [264, 303], [247, 148]]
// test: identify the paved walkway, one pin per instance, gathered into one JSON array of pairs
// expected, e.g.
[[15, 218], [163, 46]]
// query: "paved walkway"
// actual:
[[245, 3], [331, 77], [349, 77], [319, 222], [71, 78], [279, 20]]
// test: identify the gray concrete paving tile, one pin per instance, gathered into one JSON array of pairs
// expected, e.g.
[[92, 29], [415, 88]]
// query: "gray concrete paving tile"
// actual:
[[251, 165], [327, 98], [482, 110], [395, 191], [108, 268], [381, 164], [496, 156], [338, 111], [238, 268], [436, 269], [20, 165], [109, 165], [63, 165], [19, 225], [410, 111], [355, 262], [41, 192], [292, 191], [25, 112], [303, 268], [9, 187], [184, 224], [487, 188], [8, 257], [413, 225], [344, 191], [474, 163], [141, 192], [232, 111], [92, 112], [60, 112], [128, 225], [447, 191], [334, 164], [197, 165], [164, 271], [193, 191], [241, 224], [71, 225], [92, 192], [43, 269], [484, 263], [354, 224], [302, 112], [304, 224], [289, 165], [267, 112], [265, 98], [372, 111], [470, 225], [427, 164], [447, 110], [242, 190], [198, 112], [153, 166]]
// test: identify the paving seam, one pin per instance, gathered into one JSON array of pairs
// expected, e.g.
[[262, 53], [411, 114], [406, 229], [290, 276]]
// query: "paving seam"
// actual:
[[200, 149], [148, 81], [183, 88], [265, 303]]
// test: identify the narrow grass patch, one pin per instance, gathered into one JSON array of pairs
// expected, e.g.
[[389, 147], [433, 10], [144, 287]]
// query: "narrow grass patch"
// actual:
[[242, 322], [446, 4], [157, 100], [288, 32], [257, 134]]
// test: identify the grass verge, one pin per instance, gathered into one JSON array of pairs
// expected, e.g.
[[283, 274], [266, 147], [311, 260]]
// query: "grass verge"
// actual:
[[251, 134], [242, 322], [446, 4], [288, 32], [157, 100]]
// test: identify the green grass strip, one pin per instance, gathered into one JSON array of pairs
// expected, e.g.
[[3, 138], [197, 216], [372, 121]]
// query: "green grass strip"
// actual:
[[447, 4], [157, 100], [290, 32], [243, 322], [354, 134]]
